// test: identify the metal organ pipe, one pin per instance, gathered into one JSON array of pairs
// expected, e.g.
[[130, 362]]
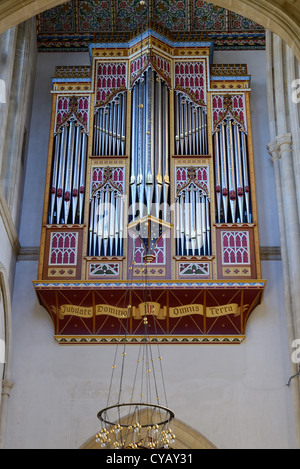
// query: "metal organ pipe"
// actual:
[[239, 177], [231, 170], [82, 172], [148, 140], [177, 118], [99, 221], [185, 125], [57, 144], [141, 142], [198, 225], [133, 169], [246, 177], [159, 145], [224, 172], [218, 178], [123, 119], [75, 183], [71, 152], [166, 181], [198, 151]]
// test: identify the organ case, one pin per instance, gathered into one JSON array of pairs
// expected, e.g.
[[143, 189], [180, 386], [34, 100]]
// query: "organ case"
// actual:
[[150, 197]]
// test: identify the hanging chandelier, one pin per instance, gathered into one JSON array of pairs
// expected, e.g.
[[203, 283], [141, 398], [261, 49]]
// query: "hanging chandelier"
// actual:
[[137, 419], [140, 417], [148, 426]]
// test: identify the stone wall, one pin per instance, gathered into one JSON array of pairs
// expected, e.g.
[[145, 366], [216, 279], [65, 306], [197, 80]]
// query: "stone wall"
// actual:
[[17, 69]]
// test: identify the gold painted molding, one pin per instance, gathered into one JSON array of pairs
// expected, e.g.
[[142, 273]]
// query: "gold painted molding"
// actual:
[[279, 16]]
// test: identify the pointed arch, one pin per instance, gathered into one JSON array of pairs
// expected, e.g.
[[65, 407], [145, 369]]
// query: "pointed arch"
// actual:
[[186, 438], [5, 331]]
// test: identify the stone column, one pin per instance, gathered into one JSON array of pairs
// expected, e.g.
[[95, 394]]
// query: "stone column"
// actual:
[[18, 115], [282, 75], [7, 57], [289, 196], [5, 393], [17, 69], [293, 84], [281, 153], [275, 154]]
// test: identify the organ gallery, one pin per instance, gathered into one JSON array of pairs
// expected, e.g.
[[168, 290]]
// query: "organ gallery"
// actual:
[[150, 203]]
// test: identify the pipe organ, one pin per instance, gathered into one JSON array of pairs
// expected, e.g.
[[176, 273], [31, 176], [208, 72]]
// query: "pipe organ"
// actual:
[[150, 205]]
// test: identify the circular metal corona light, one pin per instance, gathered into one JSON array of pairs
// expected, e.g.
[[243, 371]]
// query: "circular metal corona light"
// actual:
[[145, 426]]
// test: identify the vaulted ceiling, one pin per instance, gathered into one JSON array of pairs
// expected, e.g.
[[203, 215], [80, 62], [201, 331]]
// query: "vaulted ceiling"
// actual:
[[279, 16], [72, 25]]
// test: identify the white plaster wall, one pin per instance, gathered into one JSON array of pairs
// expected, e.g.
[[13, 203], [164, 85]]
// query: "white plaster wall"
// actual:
[[235, 395]]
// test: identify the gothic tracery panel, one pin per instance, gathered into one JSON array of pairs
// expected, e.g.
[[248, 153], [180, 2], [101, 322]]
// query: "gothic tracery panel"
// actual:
[[111, 78]]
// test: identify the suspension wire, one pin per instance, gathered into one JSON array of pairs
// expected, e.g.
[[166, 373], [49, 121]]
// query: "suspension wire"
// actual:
[[128, 314], [159, 358], [116, 352]]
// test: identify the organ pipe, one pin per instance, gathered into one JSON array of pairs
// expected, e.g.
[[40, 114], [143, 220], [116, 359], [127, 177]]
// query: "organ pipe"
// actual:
[[75, 183], [82, 172], [217, 175], [57, 144]]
